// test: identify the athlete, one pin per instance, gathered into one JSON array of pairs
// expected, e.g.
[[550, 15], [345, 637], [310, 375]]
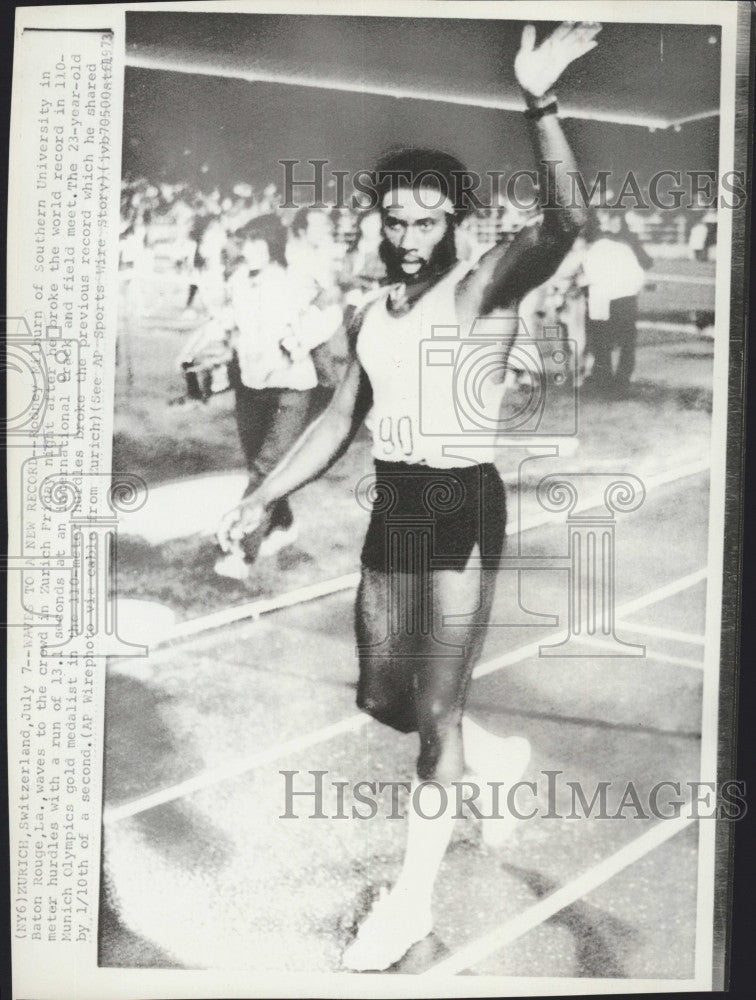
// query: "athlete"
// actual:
[[426, 589]]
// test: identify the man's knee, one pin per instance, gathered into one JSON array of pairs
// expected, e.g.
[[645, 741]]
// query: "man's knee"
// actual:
[[441, 753], [394, 709], [445, 766]]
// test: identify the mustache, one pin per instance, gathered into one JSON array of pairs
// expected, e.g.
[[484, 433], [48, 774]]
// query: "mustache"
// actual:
[[442, 257], [397, 255]]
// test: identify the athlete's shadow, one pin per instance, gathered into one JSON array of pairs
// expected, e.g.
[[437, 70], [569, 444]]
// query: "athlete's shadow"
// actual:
[[598, 935]]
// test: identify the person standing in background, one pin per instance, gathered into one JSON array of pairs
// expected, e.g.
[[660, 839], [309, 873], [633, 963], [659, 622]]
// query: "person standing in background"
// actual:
[[272, 329], [314, 261], [208, 276], [613, 276], [276, 327]]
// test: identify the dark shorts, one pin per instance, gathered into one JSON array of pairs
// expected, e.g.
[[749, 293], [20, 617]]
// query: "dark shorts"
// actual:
[[425, 519]]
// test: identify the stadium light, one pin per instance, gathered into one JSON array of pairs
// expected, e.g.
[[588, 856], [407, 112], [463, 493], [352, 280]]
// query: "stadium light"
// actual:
[[257, 75]]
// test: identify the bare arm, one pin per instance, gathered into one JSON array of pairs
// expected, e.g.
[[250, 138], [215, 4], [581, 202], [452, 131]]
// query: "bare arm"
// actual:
[[321, 445], [506, 273], [325, 440]]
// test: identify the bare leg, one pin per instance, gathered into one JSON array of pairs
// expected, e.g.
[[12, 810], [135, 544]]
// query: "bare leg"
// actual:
[[437, 683], [386, 644]]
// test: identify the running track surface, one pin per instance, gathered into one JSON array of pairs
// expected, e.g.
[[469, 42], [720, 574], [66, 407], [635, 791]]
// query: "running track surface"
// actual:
[[206, 874]]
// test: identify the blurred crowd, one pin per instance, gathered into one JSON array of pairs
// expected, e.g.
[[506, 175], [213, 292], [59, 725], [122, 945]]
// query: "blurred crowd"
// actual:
[[266, 297], [331, 261], [172, 217]]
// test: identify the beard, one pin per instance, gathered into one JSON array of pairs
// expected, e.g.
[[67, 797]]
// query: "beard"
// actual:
[[442, 258]]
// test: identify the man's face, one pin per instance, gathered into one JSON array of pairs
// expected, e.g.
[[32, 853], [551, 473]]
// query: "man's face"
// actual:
[[412, 227]]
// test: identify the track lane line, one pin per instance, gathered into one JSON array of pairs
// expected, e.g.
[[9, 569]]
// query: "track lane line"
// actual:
[[568, 894], [669, 590], [662, 633], [349, 581], [682, 279], [679, 661], [206, 779]]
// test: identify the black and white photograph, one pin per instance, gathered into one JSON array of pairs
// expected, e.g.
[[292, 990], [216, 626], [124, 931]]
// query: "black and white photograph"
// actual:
[[421, 384]]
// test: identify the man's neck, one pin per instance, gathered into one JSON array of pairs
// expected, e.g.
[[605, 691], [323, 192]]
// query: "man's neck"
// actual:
[[413, 290]]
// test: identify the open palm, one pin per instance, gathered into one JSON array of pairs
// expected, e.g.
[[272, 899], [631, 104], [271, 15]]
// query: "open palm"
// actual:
[[538, 68]]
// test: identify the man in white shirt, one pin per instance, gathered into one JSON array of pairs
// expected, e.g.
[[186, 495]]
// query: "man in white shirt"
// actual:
[[315, 261], [274, 325], [613, 275]]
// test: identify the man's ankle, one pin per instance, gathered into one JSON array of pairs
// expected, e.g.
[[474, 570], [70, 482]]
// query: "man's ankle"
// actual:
[[411, 894]]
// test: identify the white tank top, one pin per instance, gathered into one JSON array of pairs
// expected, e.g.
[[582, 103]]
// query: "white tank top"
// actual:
[[423, 411]]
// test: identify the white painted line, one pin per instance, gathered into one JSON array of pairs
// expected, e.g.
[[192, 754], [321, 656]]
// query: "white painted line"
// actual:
[[365, 85], [683, 279], [678, 661], [675, 587], [545, 908], [690, 329], [662, 633], [532, 648], [253, 609], [229, 616], [507, 659], [206, 779]]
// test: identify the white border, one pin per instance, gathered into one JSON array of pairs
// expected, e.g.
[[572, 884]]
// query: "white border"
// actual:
[[102, 984]]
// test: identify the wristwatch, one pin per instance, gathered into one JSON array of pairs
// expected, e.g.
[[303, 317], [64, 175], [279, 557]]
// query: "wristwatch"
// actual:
[[551, 108]]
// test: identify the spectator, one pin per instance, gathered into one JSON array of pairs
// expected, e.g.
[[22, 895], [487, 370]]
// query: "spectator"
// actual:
[[273, 332], [208, 276], [613, 275], [363, 262], [314, 264]]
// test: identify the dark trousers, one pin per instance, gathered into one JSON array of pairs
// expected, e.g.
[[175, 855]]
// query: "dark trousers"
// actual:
[[269, 422], [602, 336]]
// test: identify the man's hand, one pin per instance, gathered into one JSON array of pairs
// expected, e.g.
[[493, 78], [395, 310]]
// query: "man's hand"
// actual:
[[241, 521], [209, 345], [538, 69]]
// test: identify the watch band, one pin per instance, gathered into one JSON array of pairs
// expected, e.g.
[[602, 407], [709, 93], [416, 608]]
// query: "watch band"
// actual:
[[533, 114]]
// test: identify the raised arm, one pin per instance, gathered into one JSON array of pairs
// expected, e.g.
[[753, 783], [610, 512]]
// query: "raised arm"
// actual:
[[506, 273], [322, 444]]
